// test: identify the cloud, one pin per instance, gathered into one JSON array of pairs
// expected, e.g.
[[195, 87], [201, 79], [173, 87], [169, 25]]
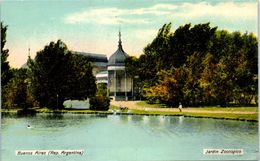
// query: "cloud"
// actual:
[[110, 16], [105, 16], [159, 9], [228, 10], [102, 16], [116, 16]]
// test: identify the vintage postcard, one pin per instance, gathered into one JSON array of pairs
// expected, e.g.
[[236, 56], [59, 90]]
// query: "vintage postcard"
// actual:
[[123, 80]]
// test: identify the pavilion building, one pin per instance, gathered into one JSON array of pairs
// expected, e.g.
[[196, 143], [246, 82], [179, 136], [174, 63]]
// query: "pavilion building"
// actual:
[[120, 86], [99, 61]]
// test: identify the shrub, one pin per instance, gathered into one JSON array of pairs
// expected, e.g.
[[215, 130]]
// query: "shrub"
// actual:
[[99, 102]]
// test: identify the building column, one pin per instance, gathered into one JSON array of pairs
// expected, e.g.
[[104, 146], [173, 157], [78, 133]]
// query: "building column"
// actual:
[[115, 83], [125, 88]]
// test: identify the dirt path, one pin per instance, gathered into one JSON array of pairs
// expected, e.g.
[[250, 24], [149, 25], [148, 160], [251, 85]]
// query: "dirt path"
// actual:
[[133, 105]]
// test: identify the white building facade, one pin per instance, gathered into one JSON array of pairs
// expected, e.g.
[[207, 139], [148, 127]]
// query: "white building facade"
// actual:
[[120, 86]]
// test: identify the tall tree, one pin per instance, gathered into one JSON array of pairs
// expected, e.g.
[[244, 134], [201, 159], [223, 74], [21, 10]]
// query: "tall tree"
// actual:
[[6, 72], [5, 67], [57, 74]]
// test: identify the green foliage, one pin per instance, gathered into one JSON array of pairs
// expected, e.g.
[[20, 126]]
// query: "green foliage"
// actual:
[[17, 92], [56, 74], [198, 65], [6, 73], [80, 80], [101, 101], [169, 89], [165, 90], [102, 89], [131, 64]]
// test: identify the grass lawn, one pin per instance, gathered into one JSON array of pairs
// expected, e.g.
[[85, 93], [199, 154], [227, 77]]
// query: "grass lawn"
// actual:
[[192, 112], [145, 104], [242, 117], [238, 109], [211, 108]]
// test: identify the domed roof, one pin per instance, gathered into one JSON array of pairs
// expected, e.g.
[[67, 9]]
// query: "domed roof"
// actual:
[[118, 58]]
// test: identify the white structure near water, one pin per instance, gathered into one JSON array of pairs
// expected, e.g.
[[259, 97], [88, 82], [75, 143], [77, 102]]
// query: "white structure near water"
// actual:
[[120, 86], [112, 72], [76, 104]]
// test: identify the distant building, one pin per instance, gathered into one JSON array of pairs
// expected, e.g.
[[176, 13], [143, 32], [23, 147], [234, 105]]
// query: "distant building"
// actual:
[[102, 77], [120, 86], [99, 61]]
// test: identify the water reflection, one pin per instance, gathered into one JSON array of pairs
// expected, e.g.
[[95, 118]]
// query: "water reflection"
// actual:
[[123, 118], [123, 136], [101, 115], [181, 119], [8, 114], [137, 119], [129, 117], [146, 119], [54, 116]]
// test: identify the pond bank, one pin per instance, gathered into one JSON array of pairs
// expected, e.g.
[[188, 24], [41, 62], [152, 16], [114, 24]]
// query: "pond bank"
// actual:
[[235, 115]]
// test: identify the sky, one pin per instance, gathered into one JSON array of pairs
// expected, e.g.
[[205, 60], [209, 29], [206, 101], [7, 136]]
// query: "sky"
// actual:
[[93, 25]]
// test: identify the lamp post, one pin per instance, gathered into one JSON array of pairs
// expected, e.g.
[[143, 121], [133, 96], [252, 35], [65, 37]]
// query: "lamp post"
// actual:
[[57, 100]]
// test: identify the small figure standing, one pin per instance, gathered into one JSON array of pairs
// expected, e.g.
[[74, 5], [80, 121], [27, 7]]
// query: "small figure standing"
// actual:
[[180, 107]]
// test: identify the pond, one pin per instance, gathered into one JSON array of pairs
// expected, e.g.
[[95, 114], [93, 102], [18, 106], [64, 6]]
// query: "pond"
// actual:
[[123, 137]]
